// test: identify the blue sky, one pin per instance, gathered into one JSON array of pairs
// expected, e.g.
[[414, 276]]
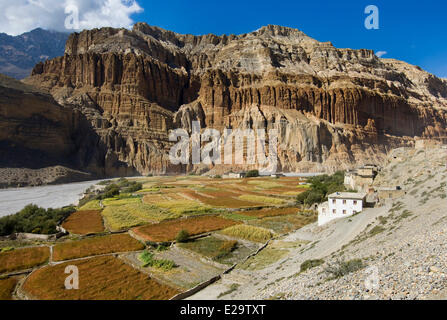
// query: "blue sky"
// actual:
[[413, 31]]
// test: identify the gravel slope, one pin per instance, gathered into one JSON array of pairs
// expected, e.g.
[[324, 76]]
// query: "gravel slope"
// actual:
[[402, 245]]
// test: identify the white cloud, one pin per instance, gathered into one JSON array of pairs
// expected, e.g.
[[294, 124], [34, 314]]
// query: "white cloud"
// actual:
[[20, 16], [380, 54]]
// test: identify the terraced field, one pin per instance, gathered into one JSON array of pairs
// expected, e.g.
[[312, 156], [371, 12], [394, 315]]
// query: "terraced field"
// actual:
[[122, 214], [247, 232], [240, 214], [95, 246], [84, 222], [102, 278], [22, 259], [167, 231], [7, 287]]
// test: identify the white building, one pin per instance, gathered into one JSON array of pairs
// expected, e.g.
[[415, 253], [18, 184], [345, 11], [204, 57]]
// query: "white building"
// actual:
[[232, 175], [340, 205]]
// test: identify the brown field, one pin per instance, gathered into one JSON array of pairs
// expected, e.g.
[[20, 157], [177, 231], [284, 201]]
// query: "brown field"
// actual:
[[270, 212], [101, 278], [222, 199], [95, 246], [221, 193], [7, 287], [22, 259], [167, 231], [84, 222]]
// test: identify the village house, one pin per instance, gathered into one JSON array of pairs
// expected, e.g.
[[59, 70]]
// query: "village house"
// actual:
[[361, 178], [341, 205], [232, 175], [389, 193]]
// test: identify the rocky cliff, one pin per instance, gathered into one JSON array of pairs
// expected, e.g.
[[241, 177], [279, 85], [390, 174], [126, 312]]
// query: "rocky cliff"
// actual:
[[43, 142], [334, 108]]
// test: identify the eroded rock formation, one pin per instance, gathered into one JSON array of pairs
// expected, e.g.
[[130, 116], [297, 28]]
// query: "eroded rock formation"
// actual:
[[334, 108]]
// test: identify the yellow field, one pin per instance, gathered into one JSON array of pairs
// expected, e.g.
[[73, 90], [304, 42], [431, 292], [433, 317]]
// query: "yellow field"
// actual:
[[128, 213], [250, 233], [262, 199], [92, 205]]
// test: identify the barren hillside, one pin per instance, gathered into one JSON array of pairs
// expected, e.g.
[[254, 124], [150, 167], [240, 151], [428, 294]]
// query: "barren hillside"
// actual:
[[393, 252]]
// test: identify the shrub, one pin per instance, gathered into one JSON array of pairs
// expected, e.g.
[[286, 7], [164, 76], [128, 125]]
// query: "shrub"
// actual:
[[225, 249], [321, 187], [110, 191], [376, 230], [232, 289], [149, 260], [182, 236], [134, 187], [309, 264], [252, 174], [343, 268]]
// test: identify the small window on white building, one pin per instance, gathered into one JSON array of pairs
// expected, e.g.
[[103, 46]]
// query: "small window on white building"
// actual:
[[344, 201], [344, 211], [355, 202], [334, 211], [334, 201]]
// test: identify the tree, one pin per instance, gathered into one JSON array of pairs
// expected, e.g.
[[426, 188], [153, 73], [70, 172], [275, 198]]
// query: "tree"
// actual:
[[252, 174], [182, 236]]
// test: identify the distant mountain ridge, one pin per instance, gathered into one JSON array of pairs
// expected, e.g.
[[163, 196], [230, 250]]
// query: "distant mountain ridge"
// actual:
[[19, 54]]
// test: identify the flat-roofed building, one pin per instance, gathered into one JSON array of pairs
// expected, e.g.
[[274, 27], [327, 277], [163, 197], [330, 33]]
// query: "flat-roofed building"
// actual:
[[341, 205]]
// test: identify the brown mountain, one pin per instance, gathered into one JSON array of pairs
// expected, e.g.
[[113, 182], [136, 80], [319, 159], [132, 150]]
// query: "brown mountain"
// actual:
[[334, 108]]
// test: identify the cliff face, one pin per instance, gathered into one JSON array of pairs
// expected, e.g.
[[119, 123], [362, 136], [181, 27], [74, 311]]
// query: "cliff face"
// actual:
[[36, 133], [333, 107]]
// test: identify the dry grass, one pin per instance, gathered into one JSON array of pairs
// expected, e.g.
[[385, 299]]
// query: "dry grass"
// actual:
[[168, 230], [292, 193], [120, 201], [132, 214], [262, 199], [22, 259], [284, 224], [84, 222], [7, 287], [101, 278], [95, 246], [270, 212], [250, 233], [263, 259], [181, 207], [265, 184]]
